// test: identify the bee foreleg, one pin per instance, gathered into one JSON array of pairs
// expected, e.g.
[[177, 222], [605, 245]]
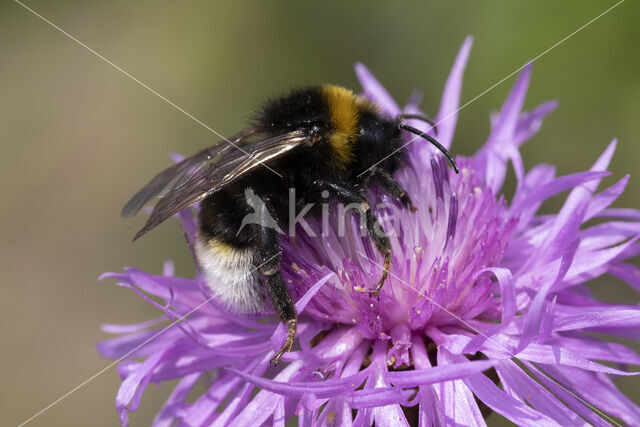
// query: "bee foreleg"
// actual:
[[269, 260], [375, 230], [388, 182]]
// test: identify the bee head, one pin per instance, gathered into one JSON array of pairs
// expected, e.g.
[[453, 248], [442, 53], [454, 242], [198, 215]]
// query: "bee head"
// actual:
[[380, 136]]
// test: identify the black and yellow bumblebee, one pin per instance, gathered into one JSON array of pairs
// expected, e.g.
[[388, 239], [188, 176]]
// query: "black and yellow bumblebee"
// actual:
[[315, 140]]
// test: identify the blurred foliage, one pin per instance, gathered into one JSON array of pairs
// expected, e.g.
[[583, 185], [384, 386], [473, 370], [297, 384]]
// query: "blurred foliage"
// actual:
[[78, 137]]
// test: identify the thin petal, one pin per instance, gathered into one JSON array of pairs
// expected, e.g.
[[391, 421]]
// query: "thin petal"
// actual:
[[505, 405], [134, 327], [596, 349], [590, 319], [530, 122], [627, 272], [533, 320], [557, 355], [590, 387], [375, 91], [458, 401], [448, 114], [175, 402], [321, 389], [131, 389], [571, 215], [429, 409], [605, 198], [556, 186], [508, 302], [379, 398], [438, 374], [529, 391], [492, 159], [263, 405]]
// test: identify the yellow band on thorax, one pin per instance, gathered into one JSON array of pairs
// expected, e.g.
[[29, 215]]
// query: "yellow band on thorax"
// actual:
[[344, 109]]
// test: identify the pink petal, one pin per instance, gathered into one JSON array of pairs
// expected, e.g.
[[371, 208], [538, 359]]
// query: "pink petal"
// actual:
[[448, 114], [500, 146], [603, 200], [590, 319], [263, 405], [459, 404], [533, 320], [529, 391], [375, 91], [176, 401]]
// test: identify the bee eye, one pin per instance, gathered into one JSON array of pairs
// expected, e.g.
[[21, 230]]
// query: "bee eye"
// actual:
[[315, 129]]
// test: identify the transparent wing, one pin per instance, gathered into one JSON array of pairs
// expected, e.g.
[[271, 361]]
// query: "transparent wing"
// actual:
[[177, 174], [206, 172]]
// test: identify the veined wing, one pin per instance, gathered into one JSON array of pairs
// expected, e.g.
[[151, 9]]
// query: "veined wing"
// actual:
[[201, 177]]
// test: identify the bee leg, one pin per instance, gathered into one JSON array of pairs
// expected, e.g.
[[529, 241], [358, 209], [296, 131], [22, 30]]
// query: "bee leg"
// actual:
[[377, 234], [386, 181], [269, 261], [286, 310]]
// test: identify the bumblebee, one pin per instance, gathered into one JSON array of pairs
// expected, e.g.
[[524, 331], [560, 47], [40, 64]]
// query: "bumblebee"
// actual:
[[315, 140]]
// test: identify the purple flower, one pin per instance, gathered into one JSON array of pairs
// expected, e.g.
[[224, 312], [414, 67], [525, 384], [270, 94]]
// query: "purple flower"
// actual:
[[486, 308]]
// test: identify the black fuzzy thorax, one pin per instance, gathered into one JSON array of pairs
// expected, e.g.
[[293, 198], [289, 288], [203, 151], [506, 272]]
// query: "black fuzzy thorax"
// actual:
[[299, 109]]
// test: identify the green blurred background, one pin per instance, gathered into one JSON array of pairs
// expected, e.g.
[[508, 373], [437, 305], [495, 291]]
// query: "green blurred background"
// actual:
[[78, 138]]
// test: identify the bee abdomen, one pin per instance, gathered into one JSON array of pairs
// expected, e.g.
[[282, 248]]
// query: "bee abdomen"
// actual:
[[230, 274]]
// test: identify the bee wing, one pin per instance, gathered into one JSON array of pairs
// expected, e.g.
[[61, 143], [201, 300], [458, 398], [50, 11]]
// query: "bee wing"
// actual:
[[177, 174], [201, 175]]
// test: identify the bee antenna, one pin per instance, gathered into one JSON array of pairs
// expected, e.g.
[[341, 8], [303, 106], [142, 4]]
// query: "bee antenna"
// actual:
[[431, 140], [424, 118]]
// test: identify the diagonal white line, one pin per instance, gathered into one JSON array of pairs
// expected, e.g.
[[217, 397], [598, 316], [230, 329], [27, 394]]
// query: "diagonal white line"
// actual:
[[408, 285], [168, 101], [106, 368], [415, 138]]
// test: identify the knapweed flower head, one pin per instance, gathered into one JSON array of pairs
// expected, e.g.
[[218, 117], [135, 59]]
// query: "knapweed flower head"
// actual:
[[486, 309]]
